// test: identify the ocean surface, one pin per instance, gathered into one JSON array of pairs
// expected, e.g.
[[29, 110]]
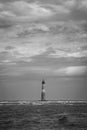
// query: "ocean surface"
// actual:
[[47, 115]]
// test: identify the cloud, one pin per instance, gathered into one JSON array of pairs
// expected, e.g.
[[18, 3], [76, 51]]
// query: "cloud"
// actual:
[[66, 71], [7, 14], [72, 71], [78, 54], [57, 41], [26, 31], [57, 8], [76, 70], [79, 10], [75, 3], [83, 3], [7, 62], [49, 39], [23, 53], [32, 11], [9, 48], [27, 11], [67, 54], [14, 70], [40, 70], [57, 54], [29, 50], [69, 3]]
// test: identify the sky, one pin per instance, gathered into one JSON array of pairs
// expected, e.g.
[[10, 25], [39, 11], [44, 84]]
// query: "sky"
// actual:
[[43, 39]]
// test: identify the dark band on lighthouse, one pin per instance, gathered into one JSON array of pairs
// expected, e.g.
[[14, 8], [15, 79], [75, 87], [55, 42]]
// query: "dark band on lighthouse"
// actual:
[[43, 91]]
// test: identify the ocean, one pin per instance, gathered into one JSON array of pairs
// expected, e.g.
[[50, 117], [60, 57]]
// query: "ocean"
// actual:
[[46, 115]]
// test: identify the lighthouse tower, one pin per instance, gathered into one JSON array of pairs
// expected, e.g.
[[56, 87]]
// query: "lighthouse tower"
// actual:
[[43, 91]]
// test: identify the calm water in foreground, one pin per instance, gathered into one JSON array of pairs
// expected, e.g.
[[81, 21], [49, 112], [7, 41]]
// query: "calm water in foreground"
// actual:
[[43, 116]]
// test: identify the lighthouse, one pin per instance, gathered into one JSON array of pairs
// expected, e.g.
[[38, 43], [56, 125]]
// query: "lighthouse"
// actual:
[[43, 91]]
